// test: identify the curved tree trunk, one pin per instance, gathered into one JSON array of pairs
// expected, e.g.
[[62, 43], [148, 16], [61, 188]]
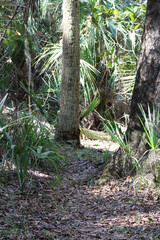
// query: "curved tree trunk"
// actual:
[[69, 104], [146, 92]]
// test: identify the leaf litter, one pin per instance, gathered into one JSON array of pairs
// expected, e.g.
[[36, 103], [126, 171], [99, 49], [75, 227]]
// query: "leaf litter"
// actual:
[[75, 207]]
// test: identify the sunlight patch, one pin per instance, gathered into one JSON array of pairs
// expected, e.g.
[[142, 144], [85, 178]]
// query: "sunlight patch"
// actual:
[[38, 174]]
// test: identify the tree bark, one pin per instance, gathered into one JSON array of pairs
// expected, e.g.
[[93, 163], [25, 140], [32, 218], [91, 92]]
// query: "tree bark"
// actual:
[[146, 92], [69, 104]]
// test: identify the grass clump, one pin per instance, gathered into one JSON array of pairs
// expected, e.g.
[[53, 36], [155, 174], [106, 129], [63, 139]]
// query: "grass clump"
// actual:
[[28, 143]]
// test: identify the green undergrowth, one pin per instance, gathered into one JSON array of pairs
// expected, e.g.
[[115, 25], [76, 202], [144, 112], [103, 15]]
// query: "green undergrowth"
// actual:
[[27, 142], [148, 176]]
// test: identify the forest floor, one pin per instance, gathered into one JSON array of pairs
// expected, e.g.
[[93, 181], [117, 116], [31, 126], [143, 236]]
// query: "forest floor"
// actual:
[[74, 206]]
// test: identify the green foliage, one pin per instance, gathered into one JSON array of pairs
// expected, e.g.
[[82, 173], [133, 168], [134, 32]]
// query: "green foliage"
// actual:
[[2, 102], [31, 25], [110, 39], [29, 144], [116, 133], [151, 127], [106, 156], [91, 107], [110, 33], [150, 124], [51, 53], [52, 64]]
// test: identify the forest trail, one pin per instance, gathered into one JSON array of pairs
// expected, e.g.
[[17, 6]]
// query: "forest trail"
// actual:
[[75, 208]]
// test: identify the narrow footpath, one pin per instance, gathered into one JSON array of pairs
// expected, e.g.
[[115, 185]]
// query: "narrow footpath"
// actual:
[[74, 207]]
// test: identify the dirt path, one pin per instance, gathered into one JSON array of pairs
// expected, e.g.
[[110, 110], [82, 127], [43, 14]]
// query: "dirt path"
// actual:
[[76, 208]]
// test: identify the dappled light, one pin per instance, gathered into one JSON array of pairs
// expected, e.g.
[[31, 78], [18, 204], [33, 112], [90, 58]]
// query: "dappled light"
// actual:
[[101, 145], [38, 174], [73, 206], [79, 120]]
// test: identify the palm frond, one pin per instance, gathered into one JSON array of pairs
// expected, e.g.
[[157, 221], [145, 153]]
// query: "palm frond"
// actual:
[[91, 107], [150, 126]]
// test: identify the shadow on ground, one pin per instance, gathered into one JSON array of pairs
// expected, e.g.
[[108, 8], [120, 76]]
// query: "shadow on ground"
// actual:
[[75, 208]]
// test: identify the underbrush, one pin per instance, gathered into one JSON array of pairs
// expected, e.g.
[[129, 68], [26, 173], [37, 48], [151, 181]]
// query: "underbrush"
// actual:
[[149, 175], [27, 142]]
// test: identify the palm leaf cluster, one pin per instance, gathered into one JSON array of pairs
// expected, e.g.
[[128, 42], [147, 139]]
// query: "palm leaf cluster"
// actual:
[[110, 39]]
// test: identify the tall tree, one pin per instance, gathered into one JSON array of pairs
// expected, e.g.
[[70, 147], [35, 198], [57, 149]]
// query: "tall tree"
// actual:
[[69, 104], [146, 92]]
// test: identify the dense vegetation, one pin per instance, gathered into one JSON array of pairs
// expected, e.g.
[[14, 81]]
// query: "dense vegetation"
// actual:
[[54, 190], [30, 76]]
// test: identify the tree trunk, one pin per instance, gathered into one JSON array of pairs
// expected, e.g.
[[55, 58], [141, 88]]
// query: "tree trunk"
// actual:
[[146, 92], [69, 104]]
